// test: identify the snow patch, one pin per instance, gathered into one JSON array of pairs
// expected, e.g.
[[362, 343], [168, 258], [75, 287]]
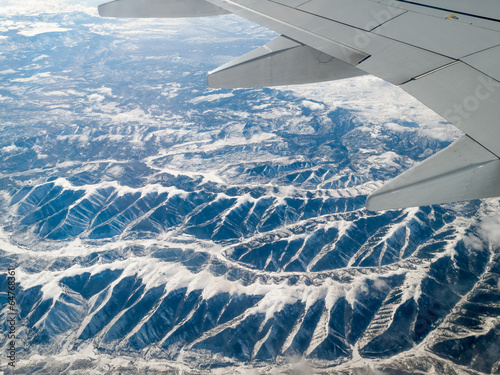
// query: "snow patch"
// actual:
[[10, 149], [385, 160], [313, 106], [396, 127], [41, 57], [377, 102], [473, 242], [42, 28], [33, 78], [490, 229], [210, 98]]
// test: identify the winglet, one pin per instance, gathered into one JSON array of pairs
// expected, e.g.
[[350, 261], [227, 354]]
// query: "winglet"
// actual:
[[463, 171]]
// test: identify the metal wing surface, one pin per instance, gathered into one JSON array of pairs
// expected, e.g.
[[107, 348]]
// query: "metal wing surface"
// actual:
[[444, 53]]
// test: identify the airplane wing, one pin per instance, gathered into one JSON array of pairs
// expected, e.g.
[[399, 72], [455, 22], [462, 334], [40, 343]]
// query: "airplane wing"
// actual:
[[445, 53]]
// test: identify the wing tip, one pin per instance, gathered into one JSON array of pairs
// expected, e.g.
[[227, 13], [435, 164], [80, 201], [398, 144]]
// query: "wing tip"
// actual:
[[159, 9], [374, 203], [104, 9]]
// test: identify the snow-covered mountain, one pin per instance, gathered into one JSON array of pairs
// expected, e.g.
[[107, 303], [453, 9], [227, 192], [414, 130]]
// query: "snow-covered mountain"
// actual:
[[157, 226]]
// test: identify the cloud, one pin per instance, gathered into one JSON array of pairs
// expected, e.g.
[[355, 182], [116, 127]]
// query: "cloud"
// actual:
[[210, 98], [490, 230], [473, 242], [396, 127], [11, 148], [295, 365], [41, 28], [313, 106]]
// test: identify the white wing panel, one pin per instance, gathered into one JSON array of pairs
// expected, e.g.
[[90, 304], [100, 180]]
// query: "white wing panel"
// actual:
[[440, 35], [398, 62], [466, 97], [480, 8], [362, 14], [291, 3], [487, 62], [444, 10]]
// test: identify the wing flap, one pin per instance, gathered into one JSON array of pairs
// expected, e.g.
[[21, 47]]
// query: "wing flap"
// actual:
[[159, 9], [463, 171], [386, 58], [280, 62]]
